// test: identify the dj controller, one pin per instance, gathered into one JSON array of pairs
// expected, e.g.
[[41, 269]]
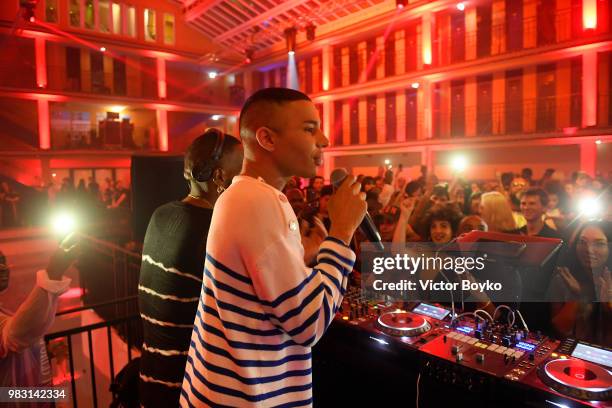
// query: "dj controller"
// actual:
[[490, 357]]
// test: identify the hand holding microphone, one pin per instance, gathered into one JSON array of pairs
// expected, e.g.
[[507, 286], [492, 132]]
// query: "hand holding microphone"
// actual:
[[350, 208], [346, 208]]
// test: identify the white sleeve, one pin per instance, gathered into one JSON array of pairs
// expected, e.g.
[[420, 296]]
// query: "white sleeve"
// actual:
[[34, 316], [302, 300]]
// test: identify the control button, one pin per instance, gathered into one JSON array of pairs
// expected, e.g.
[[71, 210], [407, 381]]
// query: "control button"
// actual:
[[459, 357], [480, 357], [518, 354], [501, 349], [472, 341], [493, 347], [455, 349]]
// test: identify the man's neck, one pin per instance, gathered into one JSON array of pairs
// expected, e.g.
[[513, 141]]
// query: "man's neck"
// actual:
[[534, 227], [269, 175]]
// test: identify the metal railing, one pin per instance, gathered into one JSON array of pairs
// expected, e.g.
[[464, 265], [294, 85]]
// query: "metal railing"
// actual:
[[109, 276], [131, 323], [100, 286]]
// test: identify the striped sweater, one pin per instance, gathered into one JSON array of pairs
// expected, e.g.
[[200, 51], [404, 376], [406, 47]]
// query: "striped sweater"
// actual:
[[168, 295], [261, 309]]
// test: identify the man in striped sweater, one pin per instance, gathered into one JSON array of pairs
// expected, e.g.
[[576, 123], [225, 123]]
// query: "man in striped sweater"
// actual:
[[172, 264], [261, 308]]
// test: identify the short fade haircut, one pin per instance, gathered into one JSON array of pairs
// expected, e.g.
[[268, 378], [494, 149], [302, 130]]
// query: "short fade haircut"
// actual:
[[201, 149], [537, 192], [277, 96]]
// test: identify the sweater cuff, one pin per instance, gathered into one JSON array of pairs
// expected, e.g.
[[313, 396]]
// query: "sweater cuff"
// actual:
[[55, 287], [337, 241]]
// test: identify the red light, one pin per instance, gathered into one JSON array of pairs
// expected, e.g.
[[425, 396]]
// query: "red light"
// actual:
[[400, 6], [461, 6], [589, 14], [32, 19]]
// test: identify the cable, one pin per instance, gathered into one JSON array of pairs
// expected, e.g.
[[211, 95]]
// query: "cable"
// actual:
[[470, 314], [510, 313], [486, 313], [417, 390], [522, 320]]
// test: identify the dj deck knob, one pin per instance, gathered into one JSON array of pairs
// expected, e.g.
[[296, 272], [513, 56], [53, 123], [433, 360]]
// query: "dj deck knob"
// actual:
[[480, 357], [455, 349]]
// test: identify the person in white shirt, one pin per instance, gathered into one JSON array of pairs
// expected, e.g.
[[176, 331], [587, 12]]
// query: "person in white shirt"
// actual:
[[23, 356], [261, 308]]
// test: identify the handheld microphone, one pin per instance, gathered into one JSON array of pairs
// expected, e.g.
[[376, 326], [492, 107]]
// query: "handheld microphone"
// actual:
[[367, 226]]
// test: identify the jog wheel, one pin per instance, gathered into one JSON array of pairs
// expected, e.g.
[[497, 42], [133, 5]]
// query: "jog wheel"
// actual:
[[402, 324], [577, 378]]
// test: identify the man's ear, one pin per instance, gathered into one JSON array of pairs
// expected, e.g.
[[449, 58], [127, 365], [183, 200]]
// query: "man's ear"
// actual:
[[265, 138]]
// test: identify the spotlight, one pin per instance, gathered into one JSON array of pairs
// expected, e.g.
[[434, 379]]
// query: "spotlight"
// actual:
[[103, 49], [415, 85], [54, 175], [115, 108], [459, 163], [63, 223], [461, 6], [387, 162], [400, 4], [598, 142], [216, 117], [290, 35], [310, 32], [212, 74], [589, 207]]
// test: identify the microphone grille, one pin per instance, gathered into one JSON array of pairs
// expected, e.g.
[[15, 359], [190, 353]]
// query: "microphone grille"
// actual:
[[337, 176]]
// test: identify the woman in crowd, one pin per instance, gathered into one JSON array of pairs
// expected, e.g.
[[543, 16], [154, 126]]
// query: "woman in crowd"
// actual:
[[582, 290], [497, 213]]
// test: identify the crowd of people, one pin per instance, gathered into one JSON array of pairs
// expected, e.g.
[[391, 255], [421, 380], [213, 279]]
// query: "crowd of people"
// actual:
[[577, 210], [111, 195], [31, 206]]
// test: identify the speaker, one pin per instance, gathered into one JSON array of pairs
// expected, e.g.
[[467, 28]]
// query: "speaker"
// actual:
[[155, 181]]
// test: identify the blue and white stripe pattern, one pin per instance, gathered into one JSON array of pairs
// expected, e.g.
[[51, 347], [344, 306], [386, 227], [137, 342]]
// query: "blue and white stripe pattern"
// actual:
[[261, 309]]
